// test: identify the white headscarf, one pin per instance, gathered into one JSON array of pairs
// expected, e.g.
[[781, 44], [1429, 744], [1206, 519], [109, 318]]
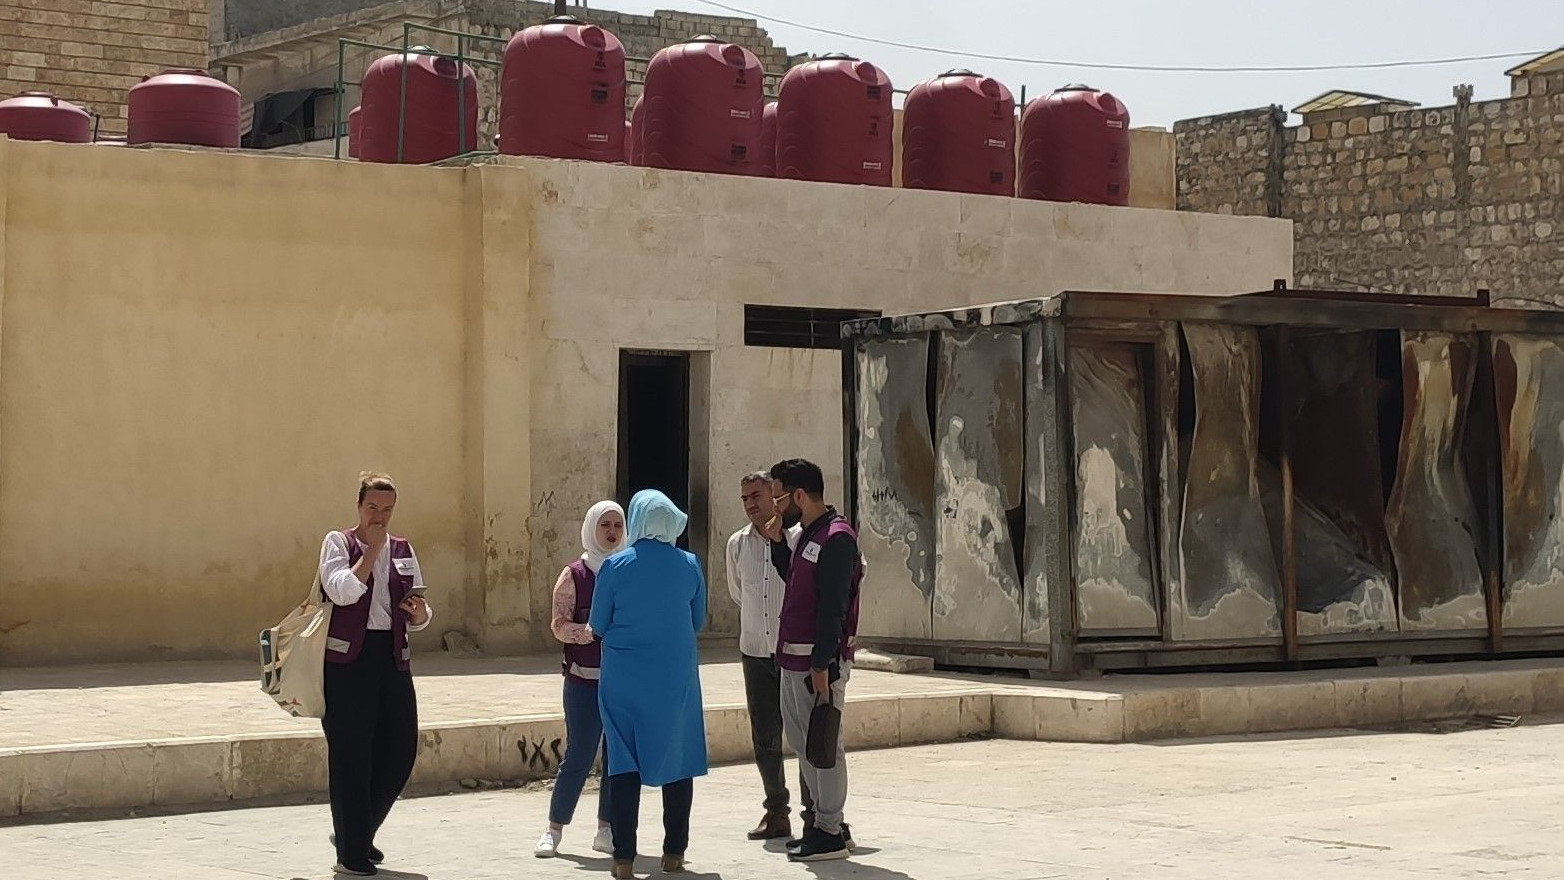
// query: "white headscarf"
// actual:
[[595, 551]]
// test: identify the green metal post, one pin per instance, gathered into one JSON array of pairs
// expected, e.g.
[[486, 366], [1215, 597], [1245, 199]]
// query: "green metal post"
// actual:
[[336, 129], [461, 96]]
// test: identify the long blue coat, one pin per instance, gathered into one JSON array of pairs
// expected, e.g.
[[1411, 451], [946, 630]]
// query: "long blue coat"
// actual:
[[649, 602]]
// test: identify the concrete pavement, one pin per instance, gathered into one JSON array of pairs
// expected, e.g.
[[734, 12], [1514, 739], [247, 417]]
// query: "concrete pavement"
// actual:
[[1408, 806]]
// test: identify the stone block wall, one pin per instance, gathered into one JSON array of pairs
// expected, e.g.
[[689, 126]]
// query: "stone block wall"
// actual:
[[1442, 200], [90, 52]]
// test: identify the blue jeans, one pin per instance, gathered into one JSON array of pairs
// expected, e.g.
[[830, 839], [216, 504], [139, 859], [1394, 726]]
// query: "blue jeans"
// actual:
[[583, 740]]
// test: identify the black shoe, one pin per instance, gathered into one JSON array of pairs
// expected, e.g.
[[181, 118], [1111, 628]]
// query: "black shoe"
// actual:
[[361, 869], [819, 846], [847, 837], [375, 855], [807, 819]]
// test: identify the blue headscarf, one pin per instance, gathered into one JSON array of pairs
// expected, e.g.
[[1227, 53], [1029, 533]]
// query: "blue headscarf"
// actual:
[[653, 516]]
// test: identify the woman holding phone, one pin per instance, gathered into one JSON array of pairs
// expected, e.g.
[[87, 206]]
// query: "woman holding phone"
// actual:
[[602, 535], [371, 720]]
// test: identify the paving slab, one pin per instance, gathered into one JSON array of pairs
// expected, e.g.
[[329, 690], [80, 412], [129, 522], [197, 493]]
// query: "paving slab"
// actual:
[[1482, 804]]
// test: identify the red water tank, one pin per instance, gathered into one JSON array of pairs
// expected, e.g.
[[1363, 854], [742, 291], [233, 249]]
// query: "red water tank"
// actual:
[[703, 101], [635, 150], [562, 92], [959, 135], [40, 116], [183, 106], [355, 131], [834, 122], [768, 141], [440, 118], [1075, 147]]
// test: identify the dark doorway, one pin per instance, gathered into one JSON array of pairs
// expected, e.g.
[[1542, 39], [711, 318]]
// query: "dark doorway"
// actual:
[[654, 426]]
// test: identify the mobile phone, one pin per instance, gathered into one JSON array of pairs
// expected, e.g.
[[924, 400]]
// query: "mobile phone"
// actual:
[[418, 590]]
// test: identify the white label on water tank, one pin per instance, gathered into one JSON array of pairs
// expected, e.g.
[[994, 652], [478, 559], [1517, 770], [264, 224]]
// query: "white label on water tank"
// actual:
[[1115, 123], [739, 114], [596, 138], [997, 143], [872, 166]]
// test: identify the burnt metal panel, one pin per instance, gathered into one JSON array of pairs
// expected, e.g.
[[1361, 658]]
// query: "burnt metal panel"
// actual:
[[979, 461], [1529, 380], [1230, 587], [1340, 590], [1113, 537], [1431, 518], [1328, 405], [895, 474], [1043, 560]]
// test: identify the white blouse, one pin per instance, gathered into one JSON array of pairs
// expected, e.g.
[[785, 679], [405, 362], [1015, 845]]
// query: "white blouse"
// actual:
[[344, 588]]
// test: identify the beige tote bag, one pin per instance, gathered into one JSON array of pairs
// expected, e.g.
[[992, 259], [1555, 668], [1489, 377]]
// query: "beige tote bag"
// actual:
[[293, 657]]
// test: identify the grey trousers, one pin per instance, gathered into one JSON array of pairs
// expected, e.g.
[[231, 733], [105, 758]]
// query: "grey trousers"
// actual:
[[829, 787]]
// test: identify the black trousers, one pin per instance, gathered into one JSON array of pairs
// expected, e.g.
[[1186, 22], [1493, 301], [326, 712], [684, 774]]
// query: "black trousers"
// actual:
[[625, 805], [763, 694], [371, 729]]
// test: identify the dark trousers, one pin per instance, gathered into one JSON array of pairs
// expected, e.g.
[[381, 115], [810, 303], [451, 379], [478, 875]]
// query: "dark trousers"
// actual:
[[583, 739], [763, 694], [625, 802], [371, 729]]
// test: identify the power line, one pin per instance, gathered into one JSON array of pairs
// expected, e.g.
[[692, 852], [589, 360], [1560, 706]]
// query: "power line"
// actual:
[[1152, 68]]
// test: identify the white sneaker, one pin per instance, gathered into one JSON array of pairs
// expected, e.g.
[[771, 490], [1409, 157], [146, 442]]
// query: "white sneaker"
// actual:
[[548, 845], [604, 841]]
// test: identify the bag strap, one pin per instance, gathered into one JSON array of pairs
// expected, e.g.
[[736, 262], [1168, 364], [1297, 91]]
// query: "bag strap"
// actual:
[[317, 588]]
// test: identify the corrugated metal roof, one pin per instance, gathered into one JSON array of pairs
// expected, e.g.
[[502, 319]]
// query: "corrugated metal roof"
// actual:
[[1339, 98], [1546, 61]]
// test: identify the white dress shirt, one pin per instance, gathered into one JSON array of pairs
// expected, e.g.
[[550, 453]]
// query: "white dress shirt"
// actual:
[[757, 589], [344, 588]]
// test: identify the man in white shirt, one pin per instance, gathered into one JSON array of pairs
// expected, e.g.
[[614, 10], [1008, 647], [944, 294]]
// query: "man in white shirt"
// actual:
[[757, 589]]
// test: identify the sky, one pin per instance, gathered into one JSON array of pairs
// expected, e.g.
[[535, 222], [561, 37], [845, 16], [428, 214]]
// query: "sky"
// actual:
[[1221, 33]]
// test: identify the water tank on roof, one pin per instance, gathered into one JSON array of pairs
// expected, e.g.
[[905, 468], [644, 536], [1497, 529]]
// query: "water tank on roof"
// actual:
[[562, 92], [635, 150], [40, 116], [355, 131], [702, 107], [959, 135], [1075, 147], [183, 106], [834, 122], [440, 116], [768, 141]]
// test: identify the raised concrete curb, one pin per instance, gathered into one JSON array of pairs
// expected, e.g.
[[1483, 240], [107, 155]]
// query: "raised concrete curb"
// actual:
[[210, 770]]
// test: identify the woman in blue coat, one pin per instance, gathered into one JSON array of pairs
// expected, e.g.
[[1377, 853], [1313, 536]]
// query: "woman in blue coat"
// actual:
[[649, 602]]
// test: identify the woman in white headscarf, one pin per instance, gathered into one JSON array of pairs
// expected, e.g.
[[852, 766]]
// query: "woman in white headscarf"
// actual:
[[649, 603], [602, 534]]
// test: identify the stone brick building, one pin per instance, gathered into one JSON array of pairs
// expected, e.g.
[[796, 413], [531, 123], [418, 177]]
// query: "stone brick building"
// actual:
[[90, 52], [269, 48], [1388, 196]]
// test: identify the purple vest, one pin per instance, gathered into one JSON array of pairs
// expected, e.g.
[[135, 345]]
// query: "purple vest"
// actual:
[[796, 633], [583, 662], [349, 622]]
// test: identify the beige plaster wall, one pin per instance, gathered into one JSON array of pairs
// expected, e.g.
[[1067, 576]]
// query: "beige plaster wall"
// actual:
[[641, 258], [199, 351]]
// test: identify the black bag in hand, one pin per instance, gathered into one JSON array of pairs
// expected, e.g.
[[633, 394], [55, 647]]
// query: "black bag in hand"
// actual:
[[825, 731]]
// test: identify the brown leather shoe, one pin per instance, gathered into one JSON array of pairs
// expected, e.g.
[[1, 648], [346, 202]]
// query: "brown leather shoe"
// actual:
[[623, 871], [772, 826], [673, 864]]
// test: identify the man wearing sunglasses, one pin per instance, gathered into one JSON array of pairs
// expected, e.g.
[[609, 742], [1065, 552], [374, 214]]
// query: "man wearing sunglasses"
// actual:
[[818, 624]]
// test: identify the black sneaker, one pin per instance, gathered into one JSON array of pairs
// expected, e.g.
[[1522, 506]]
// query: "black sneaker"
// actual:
[[375, 855], [356, 868], [847, 838], [819, 846]]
